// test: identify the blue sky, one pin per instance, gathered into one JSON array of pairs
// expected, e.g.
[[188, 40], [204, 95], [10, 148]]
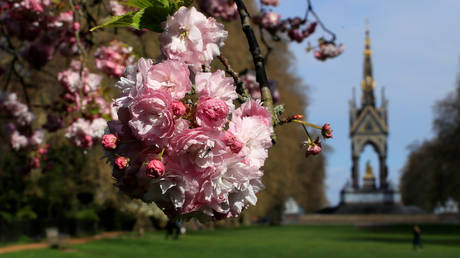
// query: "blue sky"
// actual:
[[416, 49]]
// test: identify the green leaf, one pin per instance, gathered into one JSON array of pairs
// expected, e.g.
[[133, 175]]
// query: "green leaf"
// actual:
[[138, 3], [150, 18], [151, 15], [125, 20], [176, 4]]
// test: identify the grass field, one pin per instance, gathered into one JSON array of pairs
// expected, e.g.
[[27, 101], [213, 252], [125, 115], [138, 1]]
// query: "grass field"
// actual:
[[283, 241]]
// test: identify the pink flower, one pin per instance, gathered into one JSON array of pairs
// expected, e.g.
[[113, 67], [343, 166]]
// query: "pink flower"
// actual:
[[270, 20], [43, 151], [216, 86], [122, 162], [254, 108], [270, 2], [18, 141], [155, 168], [313, 147], [178, 108], [118, 9], [232, 142], [71, 81], [80, 133], [37, 6], [98, 127], [328, 50], [196, 149], [250, 82], [326, 131], [251, 124], [109, 141], [172, 76], [114, 58], [225, 9], [34, 162], [152, 116], [192, 38], [211, 113], [37, 137], [10, 104]]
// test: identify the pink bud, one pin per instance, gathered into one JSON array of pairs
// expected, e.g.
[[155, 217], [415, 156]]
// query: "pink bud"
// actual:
[[155, 168], [87, 141], [326, 131], [34, 163], [42, 151], [122, 162], [178, 108], [76, 26], [109, 141], [231, 141], [297, 117]]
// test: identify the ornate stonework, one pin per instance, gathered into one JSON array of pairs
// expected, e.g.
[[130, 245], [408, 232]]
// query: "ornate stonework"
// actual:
[[368, 123]]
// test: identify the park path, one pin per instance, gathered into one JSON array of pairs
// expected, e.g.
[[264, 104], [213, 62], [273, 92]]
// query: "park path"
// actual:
[[14, 248]]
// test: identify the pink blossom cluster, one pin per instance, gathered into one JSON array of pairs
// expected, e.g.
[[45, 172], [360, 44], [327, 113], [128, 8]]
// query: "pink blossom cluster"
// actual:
[[225, 9], [113, 59], [192, 38], [188, 150], [294, 27], [15, 109], [327, 50], [250, 82], [83, 133], [19, 131], [270, 2], [82, 98], [118, 8], [77, 79], [42, 30]]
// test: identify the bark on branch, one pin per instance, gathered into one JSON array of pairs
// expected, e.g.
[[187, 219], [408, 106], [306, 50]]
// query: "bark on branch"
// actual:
[[257, 57]]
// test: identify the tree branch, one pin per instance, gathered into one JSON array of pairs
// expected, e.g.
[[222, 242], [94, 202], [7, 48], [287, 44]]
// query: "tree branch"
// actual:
[[257, 57], [243, 94]]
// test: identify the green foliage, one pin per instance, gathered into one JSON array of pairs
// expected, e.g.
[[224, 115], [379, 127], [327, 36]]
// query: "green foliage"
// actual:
[[150, 15], [431, 172], [87, 215]]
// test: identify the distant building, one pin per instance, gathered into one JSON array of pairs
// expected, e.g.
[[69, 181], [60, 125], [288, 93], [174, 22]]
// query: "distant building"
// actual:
[[369, 126], [292, 207], [292, 211], [449, 207]]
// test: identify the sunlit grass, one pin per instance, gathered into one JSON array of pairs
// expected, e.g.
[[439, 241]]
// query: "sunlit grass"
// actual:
[[284, 241]]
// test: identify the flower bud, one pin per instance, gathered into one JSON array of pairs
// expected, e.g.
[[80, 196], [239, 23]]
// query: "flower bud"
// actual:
[[122, 162], [232, 142], [178, 108], [297, 117], [326, 131], [109, 141], [155, 168]]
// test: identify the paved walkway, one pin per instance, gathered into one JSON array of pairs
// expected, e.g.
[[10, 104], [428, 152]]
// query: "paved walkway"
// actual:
[[14, 248]]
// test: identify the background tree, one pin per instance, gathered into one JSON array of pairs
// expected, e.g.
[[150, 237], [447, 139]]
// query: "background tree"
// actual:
[[431, 174]]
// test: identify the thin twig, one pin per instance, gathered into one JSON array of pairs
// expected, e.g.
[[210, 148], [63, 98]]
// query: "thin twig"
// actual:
[[310, 9], [242, 91], [10, 72]]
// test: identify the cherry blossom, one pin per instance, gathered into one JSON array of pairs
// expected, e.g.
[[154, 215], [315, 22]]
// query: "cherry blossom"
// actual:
[[192, 38], [225, 9]]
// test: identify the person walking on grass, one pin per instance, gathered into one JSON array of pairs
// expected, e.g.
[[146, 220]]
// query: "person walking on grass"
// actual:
[[417, 241]]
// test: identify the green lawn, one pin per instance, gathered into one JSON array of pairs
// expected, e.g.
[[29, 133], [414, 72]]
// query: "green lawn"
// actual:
[[283, 241]]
